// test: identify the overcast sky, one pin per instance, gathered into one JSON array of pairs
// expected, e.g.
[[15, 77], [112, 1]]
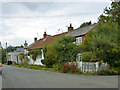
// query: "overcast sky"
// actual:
[[25, 20]]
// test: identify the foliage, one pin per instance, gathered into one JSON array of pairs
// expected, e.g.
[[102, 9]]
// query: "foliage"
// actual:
[[3, 55], [70, 67], [104, 41], [62, 50], [111, 13], [85, 24], [111, 71], [67, 51], [26, 60], [22, 56], [34, 53], [57, 67], [88, 57], [50, 54], [10, 49]]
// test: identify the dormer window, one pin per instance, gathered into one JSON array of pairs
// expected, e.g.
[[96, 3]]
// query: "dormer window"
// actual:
[[78, 40]]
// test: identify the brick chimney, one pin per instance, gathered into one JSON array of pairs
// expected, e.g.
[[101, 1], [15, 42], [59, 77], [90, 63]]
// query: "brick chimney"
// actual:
[[35, 39], [44, 35], [70, 28]]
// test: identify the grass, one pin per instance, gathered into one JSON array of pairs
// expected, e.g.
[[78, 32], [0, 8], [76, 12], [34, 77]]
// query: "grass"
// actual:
[[40, 67]]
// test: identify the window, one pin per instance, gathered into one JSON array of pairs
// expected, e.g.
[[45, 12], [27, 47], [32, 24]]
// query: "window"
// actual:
[[79, 57], [78, 40]]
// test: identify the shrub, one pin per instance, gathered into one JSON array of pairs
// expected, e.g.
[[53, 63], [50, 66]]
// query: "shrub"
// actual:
[[86, 56], [70, 67], [57, 67], [74, 67], [47, 62], [65, 67], [50, 56], [111, 71]]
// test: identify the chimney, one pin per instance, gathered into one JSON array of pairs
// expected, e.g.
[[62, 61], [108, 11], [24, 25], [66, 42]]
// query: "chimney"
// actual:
[[44, 35], [70, 28], [35, 39]]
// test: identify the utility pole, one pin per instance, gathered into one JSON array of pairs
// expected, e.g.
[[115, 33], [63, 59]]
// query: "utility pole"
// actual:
[[6, 49]]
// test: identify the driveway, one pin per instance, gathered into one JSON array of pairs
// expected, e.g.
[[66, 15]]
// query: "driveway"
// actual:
[[15, 77]]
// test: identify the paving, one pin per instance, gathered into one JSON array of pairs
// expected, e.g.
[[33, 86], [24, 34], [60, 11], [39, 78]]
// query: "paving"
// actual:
[[15, 77]]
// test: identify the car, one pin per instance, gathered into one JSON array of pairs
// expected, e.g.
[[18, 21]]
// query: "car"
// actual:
[[0, 68]]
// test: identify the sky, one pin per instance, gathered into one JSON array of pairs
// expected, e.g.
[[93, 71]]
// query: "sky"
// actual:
[[25, 20]]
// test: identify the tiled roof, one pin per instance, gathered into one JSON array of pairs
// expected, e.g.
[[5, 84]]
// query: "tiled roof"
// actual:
[[80, 31], [48, 41]]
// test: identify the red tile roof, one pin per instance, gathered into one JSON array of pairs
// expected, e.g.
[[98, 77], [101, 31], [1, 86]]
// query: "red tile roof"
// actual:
[[48, 41]]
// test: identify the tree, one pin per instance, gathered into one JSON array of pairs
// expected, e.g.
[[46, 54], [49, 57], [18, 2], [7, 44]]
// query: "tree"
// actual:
[[67, 51], [11, 49], [104, 41], [50, 54], [112, 13], [3, 58], [62, 50], [85, 24]]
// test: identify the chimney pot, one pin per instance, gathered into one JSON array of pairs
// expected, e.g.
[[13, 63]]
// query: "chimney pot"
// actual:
[[44, 35], [35, 39], [70, 28]]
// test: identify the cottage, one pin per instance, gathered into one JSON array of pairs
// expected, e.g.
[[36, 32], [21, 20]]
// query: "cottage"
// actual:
[[38, 44], [79, 34], [14, 56]]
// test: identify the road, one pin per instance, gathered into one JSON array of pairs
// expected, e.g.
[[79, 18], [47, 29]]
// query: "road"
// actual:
[[0, 81], [15, 77]]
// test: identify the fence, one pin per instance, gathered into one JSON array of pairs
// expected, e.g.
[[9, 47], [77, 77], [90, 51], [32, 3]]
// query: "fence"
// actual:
[[90, 66]]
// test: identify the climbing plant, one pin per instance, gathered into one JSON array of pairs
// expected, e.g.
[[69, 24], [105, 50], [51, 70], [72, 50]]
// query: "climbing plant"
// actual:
[[34, 54]]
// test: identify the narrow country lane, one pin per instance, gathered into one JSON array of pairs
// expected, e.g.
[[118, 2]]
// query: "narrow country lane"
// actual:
[[15, 77]]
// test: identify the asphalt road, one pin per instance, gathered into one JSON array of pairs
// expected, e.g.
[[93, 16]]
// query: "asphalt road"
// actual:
[[14, 77], [0, 81]]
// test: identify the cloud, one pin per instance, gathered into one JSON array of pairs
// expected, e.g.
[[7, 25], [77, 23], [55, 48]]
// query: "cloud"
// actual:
[[56, 0], [22, 21]]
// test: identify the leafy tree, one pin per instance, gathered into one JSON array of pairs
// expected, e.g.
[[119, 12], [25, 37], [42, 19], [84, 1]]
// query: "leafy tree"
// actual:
[[3, 58], [104, 41], [62, 50], [50, 55], [10, 49], [85, 24], [112, 13], [66, 49]]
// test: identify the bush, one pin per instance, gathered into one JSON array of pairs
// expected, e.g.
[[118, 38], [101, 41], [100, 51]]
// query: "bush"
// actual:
[[111, 71], [48, 63], [57, 67], [65, 67], [86, 56], [70, 67]]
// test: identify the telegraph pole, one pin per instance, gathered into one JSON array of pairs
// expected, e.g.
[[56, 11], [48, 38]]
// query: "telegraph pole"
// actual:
[[6, 49]]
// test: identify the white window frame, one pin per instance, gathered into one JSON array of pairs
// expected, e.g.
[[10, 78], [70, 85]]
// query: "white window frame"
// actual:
[[78, 40]]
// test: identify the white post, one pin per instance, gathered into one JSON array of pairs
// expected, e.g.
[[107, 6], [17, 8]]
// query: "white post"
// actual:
[[89, 66], [97, 66], [86, 66], [81, 65]]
